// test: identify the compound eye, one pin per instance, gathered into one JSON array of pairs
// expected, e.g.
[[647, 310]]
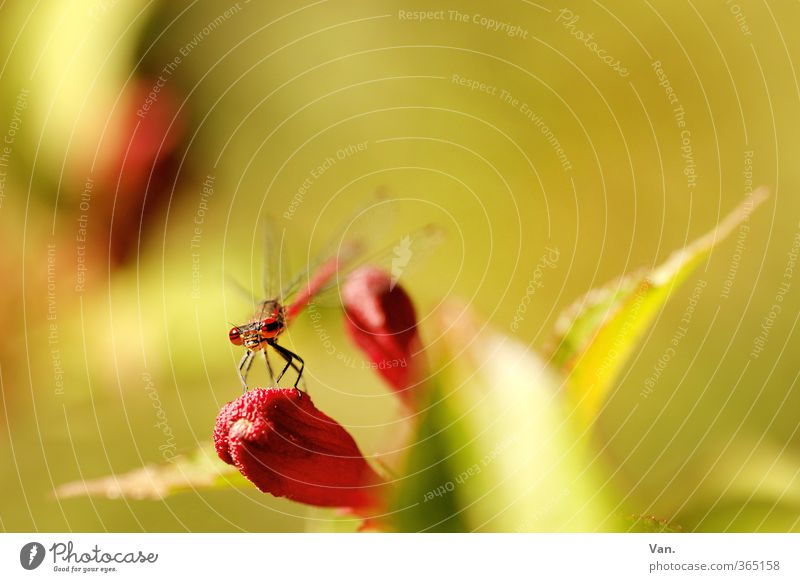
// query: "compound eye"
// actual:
[[268, 327], [235, 335]]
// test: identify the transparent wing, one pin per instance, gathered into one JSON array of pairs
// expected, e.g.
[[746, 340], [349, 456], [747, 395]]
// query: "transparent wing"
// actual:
[[243, 292], [359, 231], [398, 256], [275, 267]]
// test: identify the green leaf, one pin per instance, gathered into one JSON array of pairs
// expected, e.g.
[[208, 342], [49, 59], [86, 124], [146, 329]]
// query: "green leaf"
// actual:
[[595, 336], [755, 486], [200, 469], [494, 450]]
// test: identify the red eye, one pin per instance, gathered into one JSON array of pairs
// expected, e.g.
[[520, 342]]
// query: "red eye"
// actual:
[[235, 336], [268, 327]]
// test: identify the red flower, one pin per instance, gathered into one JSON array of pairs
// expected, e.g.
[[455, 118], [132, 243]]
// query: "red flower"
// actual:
[[140, 178], [288, 448], [382, 322]]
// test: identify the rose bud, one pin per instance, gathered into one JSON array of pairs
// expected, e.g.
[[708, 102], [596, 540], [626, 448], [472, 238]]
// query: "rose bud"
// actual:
[[382, 322], [288, 448]]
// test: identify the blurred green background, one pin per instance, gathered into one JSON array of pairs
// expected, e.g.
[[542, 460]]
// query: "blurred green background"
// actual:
[[116, 115]]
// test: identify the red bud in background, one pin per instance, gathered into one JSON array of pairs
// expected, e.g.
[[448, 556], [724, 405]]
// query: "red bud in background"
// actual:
[[142, 169], [288, 448], [382, 321]]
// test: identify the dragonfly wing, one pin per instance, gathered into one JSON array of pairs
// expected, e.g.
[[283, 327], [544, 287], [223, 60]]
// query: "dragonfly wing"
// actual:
[[397, 257], [244, 293], [350, 237], [275, 268]]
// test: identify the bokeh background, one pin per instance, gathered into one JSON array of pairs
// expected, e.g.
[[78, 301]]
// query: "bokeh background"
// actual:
[[145, 143]]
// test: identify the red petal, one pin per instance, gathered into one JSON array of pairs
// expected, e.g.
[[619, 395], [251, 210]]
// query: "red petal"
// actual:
[[143, 165], [382, 322], [288, 448]]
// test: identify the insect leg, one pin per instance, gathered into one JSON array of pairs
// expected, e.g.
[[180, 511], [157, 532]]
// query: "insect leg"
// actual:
[[269, 368], [295, 367], [299, 371], [282, 353], [244, 368], [290, 356]]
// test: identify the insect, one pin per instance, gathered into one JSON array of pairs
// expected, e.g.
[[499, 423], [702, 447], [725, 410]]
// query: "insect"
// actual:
[[270, 321], [272, 316]]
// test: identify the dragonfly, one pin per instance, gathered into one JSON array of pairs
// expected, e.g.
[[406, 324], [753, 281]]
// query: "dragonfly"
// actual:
[[272, 316], [271, 319]]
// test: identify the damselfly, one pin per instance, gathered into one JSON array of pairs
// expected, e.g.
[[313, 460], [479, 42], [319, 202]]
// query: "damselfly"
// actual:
[[270, 321], [272, 316]]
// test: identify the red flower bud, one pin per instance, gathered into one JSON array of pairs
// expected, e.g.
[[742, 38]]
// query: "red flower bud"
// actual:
[[382, 322], [288, 448]]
